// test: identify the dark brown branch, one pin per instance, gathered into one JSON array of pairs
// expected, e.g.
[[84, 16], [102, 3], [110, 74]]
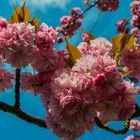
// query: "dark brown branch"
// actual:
[[122, 131], [126, 126], [17, 88], [137, 112], [22, 115]]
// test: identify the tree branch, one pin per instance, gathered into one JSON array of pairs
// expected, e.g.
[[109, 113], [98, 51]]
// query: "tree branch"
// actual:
[[17, 88], [137, 112], [126, 126], [22, 115], [92, 5], [122, 131]]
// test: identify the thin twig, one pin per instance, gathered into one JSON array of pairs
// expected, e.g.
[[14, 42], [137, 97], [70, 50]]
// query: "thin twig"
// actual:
[[92, 5], [95, 23]]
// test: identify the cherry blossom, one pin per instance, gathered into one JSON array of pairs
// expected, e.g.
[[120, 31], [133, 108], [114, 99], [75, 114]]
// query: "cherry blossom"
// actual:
[[108, 5], [6, 80], [46, 37], [135, 125], [130, 138], [74, 96], [3, 23], [121, 26], [99, 46], [135, 7], [71, 23], [130, 59]]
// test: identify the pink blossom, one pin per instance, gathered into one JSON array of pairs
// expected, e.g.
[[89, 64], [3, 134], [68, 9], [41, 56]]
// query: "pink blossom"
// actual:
[[35, 83], [98, 46], [8, 36], [16, 41], [86, 65], [130, 58], [3, 23], [135, 21], [136, 32], [108, 111], [130, 138], [71, 23], [91, 65], [46, 37], [6, 80], [108, 82], [26, 33], [121, 26], [135, 125], [19, 55], [108, 5], [83, 47], [127, 100], [85, 37], [68, 129], [45, 60], [73, 100], [86, 2], [135, 7]]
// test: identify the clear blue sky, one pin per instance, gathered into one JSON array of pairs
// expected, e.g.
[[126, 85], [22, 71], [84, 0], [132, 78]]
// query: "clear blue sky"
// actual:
[[49, 12]]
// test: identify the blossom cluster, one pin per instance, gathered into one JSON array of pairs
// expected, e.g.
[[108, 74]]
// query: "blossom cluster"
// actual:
[[134, 21], [21, 45], [69, 24], [130, 56], [104, 5], [92, 87], [73, 96], [122, 26], [134, 126]]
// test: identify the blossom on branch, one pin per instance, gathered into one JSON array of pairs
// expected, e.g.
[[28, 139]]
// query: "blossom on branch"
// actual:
[[69, 24], [6, 80], [108, 5]]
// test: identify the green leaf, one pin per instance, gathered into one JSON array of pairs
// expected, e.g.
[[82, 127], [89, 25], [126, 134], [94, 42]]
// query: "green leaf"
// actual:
[[74, 53], [35, 22], [15, 16], [122, 41], [25, 13]]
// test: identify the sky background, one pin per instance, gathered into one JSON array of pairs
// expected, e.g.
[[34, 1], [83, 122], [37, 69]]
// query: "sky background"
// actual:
[[50, 11]]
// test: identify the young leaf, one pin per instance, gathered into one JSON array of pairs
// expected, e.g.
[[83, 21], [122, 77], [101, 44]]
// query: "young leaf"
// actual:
[[35, 22], [74, 53], [20, 15], [125, 73], [25, 13], [15, 16], [122, 41]]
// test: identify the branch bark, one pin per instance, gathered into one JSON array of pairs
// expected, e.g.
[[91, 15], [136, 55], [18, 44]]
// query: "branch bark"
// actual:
[[126, 126], [22, 115], [137, 112], [17, 88]]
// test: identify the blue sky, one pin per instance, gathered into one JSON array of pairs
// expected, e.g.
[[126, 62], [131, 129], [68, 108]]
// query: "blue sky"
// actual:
[[49, 11]]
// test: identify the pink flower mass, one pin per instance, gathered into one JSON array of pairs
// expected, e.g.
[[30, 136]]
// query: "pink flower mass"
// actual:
[[77, 85], [94, 84]]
